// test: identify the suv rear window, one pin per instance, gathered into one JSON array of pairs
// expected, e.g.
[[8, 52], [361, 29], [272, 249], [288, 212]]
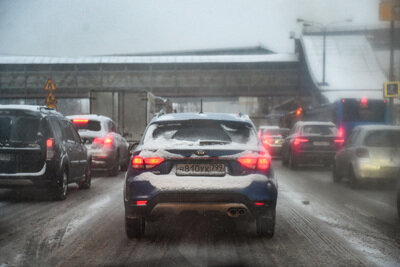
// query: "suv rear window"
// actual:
[[87, 125], [18, 126], [319, 130], [200, 132], [383, 138]]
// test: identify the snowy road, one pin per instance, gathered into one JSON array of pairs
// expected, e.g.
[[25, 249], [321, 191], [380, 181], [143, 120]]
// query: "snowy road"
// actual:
[[318, 223]]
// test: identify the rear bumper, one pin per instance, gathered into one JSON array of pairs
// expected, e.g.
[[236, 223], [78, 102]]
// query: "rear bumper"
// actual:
[[315, 156], [233, 201], [373, 171], [38, 179], [102, 160]]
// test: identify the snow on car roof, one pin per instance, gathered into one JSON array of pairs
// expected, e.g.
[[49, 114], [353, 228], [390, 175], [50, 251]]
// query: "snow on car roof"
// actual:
[[29, 107], [202, 116], [316, 123]]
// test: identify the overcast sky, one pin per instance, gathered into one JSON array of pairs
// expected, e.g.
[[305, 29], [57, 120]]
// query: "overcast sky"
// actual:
[[103, 27]]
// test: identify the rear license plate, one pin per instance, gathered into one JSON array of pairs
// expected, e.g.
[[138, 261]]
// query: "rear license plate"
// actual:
[[200, 169], [320, 143], [5, 157]]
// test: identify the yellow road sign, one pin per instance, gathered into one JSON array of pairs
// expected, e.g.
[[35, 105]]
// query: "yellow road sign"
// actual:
[[52, 106], [49, 86], [391, 89], [389, 10], [51, 99]]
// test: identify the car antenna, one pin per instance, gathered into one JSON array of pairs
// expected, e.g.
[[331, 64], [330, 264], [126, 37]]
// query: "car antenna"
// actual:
[[201, 105]]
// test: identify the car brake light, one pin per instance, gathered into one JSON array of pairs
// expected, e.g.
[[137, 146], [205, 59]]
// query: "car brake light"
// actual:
[[80, 121], [141, 202], [362, 153], [50, 151], [263, 163], [152, 162], [98, 140], [145, 163], [338, 141], [137, 162], [107, 141], [259, 203], [268, 140], [341, 132], [252, 162], [299, 140]]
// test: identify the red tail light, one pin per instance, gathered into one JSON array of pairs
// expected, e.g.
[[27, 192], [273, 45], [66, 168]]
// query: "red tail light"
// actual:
[[152, 162], [107, 141], [362, 153], [341, 132], [145, 163], [259, 203], [338, 141], [50, 151], [261, 163], [80, 121], [299, 140], [137, 162], [141, 202], [268, 140], [364, 102]]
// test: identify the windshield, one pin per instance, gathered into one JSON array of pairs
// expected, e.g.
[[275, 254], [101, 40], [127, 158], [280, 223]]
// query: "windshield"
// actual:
[[87, 125], [18, 126], [383, 138], [319, 130], [199, 133]]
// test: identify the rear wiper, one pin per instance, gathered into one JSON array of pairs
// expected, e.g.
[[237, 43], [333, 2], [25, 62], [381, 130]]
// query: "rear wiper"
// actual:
[[214, 142]]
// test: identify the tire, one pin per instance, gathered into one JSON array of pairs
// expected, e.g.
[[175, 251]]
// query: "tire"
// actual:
[[85, 184], [135, 228], [354, 183], [398, 200], [60, 192], [125, 165], [292, 161], [335, 175], [265, 226], [284, 160], [115, 169]]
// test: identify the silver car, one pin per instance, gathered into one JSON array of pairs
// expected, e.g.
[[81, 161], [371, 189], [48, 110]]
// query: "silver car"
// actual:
[[107, 149], [371, 152]]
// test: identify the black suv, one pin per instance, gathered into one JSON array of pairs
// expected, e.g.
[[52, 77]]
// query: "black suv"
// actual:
[[40, 147]]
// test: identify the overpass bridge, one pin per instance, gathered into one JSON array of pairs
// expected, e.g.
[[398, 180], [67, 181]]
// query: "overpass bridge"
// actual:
[[265, 75]]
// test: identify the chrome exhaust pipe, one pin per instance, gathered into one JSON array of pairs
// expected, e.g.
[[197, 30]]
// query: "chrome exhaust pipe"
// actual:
[[232, 212]]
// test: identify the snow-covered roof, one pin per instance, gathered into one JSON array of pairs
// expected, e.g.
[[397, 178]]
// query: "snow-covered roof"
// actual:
[[203, 116], [351, 69], [148, 59]]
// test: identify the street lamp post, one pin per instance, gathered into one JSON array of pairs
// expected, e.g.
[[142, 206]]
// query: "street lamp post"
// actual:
[[323, 27]]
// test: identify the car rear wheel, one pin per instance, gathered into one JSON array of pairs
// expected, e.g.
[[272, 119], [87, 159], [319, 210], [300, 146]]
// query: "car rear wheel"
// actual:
[[115, 168], [284, 159], [124, 166], [135, 227], [61, 189], [335, 175], [292, 161], [85, 184], [354, 183], [265, 225], [398, 200]]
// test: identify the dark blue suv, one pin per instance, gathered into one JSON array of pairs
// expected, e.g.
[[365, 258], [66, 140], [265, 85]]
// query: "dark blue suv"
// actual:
[[203, 162]]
